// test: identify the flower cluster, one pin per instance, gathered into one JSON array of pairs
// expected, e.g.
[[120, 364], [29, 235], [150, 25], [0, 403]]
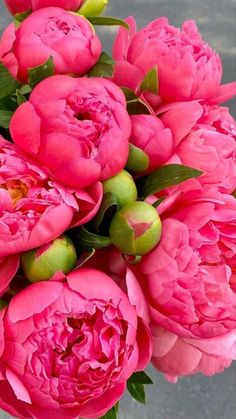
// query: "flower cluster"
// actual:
[[117, 209]]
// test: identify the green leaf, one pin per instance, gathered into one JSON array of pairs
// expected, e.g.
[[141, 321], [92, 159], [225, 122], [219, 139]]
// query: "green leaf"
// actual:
[[107, 21], [5, 118], [129, 94], [37, 74], [112, 414], [25, 89], [104, 67], [107, 209], [8, 103], [165, 176], [8, 84], [137, 391], [87, 240], [138, 106], [140, 378], [158, 202], [20, 17], [3, 304], [20, 97], [151, 82]]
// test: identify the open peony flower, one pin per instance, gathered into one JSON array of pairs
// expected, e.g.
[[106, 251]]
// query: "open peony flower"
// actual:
[[187, 67], [50, 32], [78, 128], [204, 137], [33, 209], [189, 283], [68, 348]]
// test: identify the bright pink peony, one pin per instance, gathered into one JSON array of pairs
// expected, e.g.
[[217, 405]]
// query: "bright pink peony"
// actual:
[[150, 135], [189, 282], [33, 209], [51, 32], [68, 348], [20, 6], [78, 128], [204, 138], [187, 67], [8, 268]]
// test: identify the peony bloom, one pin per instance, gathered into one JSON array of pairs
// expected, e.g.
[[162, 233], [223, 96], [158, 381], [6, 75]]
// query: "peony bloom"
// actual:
[[51, 32], [33, 209], [69, 350], [78, 128], [8, 268], [204, 137], [189, 283], [187, 67], [151, 136]]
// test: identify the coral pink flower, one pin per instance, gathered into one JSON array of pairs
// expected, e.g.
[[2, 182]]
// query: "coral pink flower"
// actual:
[[187, 67], [68, 348], [78, 128], [50, 32], [33, 209], [189, 283], [20, 6], [8, 268]]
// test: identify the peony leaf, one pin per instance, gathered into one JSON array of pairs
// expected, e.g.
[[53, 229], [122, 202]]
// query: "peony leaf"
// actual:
[[138, 106], [85, 240], [107, 21], [112, 414], [5, 118], [164, 177], [104, 67], [140, 378], [137, 391], [129, 94], [158, 202], [20, 97], [108, 208], [151, 82], [20, 17], [41, 72], [8, 84]]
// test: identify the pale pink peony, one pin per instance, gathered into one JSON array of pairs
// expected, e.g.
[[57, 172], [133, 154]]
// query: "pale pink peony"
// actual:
[[187, 67], [78, 128], [33, 209], [20, 6], [68, 348], [150, 135], [8, 268], [204, 137], [189, 283], [51, 32]]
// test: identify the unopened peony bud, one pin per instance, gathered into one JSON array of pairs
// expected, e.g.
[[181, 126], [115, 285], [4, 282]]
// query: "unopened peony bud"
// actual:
[[136, 228], [42, 263], [123, 187], [93, 7], [138, 160]]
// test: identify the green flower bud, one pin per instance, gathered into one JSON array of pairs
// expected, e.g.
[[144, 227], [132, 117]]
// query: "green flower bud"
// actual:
[[138, 160], [93, 7], [136, 229], [123, 187], [42, 263]]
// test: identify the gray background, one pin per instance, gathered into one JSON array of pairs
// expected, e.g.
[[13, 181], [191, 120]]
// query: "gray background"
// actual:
[[195, 397]]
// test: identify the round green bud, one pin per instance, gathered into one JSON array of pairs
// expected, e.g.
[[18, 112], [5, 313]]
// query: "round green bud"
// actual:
[[42, 263], [138, 160], [92, 8], [136, 229], [123, 187]]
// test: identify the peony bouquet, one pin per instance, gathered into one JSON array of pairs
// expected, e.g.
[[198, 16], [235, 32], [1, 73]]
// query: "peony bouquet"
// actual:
[[117, 210]]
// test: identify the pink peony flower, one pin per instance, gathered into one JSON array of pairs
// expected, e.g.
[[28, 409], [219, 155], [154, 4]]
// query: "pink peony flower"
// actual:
[[8, 268], [150, 135], [187, 67], [33, 209], [69, 350], [78, 128], [189, 283], [20, 6], [204, 138], [50, 32]]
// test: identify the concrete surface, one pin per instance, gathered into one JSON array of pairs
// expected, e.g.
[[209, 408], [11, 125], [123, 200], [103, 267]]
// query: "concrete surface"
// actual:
[[195, 397]]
